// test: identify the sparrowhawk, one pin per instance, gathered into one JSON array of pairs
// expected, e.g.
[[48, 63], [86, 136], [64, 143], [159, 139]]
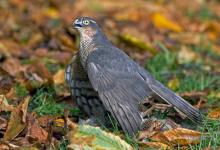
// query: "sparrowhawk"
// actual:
[[102, 78]]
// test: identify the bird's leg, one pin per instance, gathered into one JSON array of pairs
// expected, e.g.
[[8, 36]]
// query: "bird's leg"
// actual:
[[148, 112], [162, 107], [157, 106]]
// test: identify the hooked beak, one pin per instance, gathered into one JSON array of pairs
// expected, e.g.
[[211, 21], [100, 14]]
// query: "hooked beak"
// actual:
[[77, 23]]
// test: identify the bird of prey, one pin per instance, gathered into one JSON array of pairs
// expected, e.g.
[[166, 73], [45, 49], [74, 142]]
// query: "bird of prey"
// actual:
[[102, 78]]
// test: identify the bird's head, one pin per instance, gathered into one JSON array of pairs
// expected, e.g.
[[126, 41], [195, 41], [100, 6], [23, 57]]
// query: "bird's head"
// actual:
[[86, 26]]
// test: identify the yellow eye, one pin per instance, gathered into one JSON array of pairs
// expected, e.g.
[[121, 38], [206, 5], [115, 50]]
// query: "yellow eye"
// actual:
[[86, 22]]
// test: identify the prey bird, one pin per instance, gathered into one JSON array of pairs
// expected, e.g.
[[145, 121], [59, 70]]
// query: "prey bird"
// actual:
[[102, 78]]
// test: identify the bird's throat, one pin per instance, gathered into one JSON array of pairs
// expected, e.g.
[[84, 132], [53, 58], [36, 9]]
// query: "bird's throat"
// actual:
[[87, 45], [90, 41]]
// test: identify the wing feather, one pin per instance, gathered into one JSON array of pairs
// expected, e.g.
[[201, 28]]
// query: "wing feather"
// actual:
[[120, 93]]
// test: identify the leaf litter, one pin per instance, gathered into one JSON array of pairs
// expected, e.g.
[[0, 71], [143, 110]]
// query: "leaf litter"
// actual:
[[38, 42]]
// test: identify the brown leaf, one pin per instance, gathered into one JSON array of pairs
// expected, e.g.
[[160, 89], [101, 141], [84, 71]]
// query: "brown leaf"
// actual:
[[17, 120], [186, 55], [6, 81], [13, 66], [60, 57], [58, 78], [66, 42], [214, 114], [37, 133], [178, 136], [44, 121], [186, 38], [150, 145], [3, 123], [37, 75], [153, 127], [4, 147], [23, 108], [4, 106]]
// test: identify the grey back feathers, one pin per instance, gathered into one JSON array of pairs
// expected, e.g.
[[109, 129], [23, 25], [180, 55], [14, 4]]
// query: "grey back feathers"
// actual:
[[121, 84]]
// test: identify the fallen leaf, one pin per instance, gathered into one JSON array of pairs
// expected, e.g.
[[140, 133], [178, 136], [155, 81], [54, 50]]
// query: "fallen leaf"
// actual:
[[59, 122], [134, 15], [150, 145], [152, 128], [3, 123], [23, 108], [162, 22], [214, 114], [37, 75], [173, 83], [44, 121], [212, 29], [29, 148], [133, 41], [12, 66], [186, 37], [4, 147], [37, 133], [4, 105], [58, 78], [17, 123], [178, 137], [6, 81], [51, 12], [186, 55], [66, 41], [86, 136]]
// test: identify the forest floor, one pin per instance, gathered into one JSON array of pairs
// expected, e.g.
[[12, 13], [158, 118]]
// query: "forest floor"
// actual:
[[177, 41]]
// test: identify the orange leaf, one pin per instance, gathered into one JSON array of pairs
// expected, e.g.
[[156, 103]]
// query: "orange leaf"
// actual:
[[214, 114], [162, 22], [35, 132], [178, 136], [58, 78], [52, 13], [156, 145]]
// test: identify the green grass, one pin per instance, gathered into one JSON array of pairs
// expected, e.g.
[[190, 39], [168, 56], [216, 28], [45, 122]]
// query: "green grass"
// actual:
[[196, 82], [203, 14], [43, 103], [162, 65], [63, 144], [210, 135], [192, 77], [20, 90]]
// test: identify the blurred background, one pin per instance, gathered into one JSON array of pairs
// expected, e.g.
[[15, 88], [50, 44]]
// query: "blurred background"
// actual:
[[177, 41]]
